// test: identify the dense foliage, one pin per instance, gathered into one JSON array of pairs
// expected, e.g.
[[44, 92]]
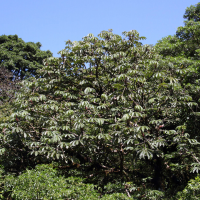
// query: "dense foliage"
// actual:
[[122, 115], [191, 191], [21, 58], [18, 60], [45, 183]]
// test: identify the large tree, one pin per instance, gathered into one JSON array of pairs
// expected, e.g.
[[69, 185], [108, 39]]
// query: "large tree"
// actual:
[[21, 58], [122, 119], [185, 43]]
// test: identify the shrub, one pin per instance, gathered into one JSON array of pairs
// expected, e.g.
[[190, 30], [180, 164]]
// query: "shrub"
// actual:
[[43, 182]]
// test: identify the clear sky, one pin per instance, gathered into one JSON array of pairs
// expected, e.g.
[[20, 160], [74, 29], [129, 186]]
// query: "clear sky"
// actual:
[[52, 22]]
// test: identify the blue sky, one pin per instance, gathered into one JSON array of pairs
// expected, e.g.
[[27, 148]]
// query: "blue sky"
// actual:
[[52, 22]]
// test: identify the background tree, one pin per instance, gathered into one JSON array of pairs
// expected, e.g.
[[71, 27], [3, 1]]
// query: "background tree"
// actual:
[[183, 50], [21, 58], [186, 41]]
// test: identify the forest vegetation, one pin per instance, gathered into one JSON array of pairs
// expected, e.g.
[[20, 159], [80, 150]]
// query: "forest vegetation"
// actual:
[[110, 118]]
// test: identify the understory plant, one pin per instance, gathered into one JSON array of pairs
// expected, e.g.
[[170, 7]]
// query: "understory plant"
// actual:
[[44, 182]]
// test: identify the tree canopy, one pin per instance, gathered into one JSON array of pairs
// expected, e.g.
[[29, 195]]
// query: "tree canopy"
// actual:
[[21, 58]]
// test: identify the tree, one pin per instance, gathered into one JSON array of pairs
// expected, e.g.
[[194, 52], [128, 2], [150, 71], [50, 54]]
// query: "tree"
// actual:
[[122, 120], [21, 58], [186, 41], [183, 50]]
